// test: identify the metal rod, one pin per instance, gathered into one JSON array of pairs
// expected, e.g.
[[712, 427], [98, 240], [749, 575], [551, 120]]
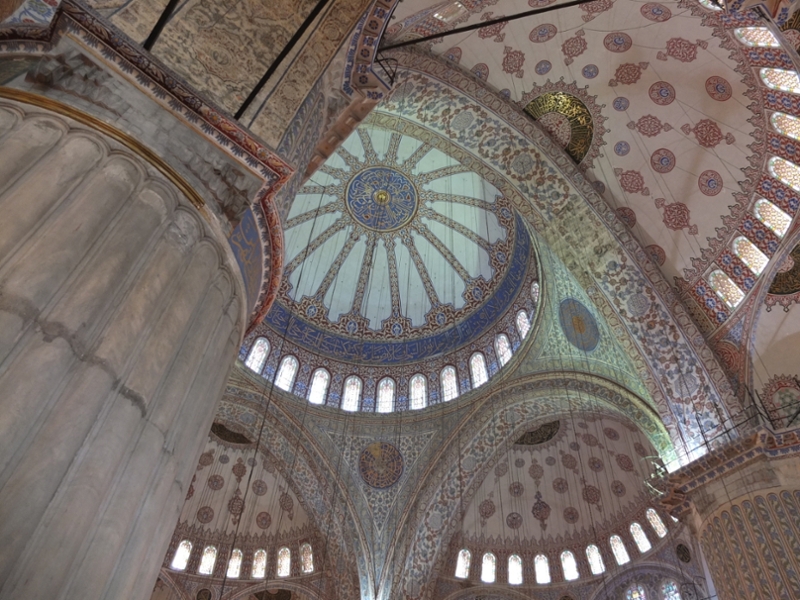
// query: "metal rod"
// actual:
[[276, 63], [159, 26], [522, 15]]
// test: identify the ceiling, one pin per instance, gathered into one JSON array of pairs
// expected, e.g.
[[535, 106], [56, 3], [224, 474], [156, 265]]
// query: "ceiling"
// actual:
[[671, 125]]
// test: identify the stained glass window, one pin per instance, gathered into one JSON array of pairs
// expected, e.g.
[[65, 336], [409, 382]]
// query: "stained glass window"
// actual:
[[462, 564], [503, 348], [181, 558], [656, 523], [352, 393], [207, 561], [306, 558], [477, 366], [488, 567], [787, 172], [449, 383], [541, 568], [418, 390], [319, 386], [773, 217], [385, 395], [514, 569], [257, 355], [669, 591], [618, 548], [523, 324], [595, 559], [570, 565], [260, 564], [758, 37], [780, 79], [640, 537], [786, 125], [709, 4], [235, 564], [535, 292], [635, 592], [286, 373], [750, 255], [725, 288], [284, 562]]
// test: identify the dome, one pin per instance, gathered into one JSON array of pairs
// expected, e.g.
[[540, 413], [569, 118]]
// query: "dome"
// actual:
[[400, 260]]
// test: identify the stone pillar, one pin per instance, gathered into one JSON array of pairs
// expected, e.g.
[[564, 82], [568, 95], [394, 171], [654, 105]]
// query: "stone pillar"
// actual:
[[120, 316], [743, 502]]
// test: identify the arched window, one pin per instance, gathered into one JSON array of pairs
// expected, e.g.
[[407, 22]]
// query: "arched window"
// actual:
[[523, 324], [756, 37], [725, 288], [235, 564], [635, 592], [709, 4], [514, 569], [569, 565], [284, 562], [618, 548], [541, 568], [257, 355], [535, 292], [785, 171], [352, 393], [306, 558], [640, 537], [503, 348], [656, 523], [462, 564], [477, 367], [780, 79], [669, 591], [208, 560], [449, 383], [286, 373], [488, 567], [259, 564], [595, 559], [754, 258], [385, 395], [786, 125], [418, 390], [772, 216], [181, 558], [319, 386]]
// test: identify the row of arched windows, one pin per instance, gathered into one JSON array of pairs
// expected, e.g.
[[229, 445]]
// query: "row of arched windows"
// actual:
[[208, 560], [775, 219], [569, 565], [669, 591], [386, 389]]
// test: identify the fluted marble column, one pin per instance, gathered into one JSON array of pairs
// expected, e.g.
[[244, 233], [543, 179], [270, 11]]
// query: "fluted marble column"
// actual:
[[120, 316], [743, 502]]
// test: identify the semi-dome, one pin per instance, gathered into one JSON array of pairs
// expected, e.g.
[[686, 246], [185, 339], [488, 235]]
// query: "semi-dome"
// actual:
[[400, 260]]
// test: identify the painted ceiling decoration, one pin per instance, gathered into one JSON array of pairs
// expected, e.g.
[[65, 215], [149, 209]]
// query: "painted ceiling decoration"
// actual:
[[540, 435], [568, 121]]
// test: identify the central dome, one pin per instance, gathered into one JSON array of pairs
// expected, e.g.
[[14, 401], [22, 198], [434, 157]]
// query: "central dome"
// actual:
[[381, 198]]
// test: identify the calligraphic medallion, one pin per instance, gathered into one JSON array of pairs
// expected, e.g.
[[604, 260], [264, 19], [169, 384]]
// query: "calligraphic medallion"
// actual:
[[380, 465], [381, 199], [567, 120]]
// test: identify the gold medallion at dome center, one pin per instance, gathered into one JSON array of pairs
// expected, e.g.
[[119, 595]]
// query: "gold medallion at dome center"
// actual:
[[381, 197]]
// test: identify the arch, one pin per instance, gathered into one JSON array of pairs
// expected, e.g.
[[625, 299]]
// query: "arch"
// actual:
[[787, 125], [749, 254], [726, 289], [418, 391], [515, 569], [569, 565], [488, 568], [595, 560], [259, 568], [283, 562], [523, 324], [477, 369], [635, 592], [181, 558], [640, 537], [462, 563], [449, 382], [756, 37], [541, 568], [306, 558], [503, 348], [772, 216], [208, 560], [655, 522], [669, 590], [257, 356], [318, 391], [385, 403], [785, 171], [351, 398], [780, 79], [235, 564], [619, 550], [287, 370]]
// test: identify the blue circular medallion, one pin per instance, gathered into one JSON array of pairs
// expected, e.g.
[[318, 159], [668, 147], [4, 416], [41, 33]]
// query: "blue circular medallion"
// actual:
[[590, 71], [381, 199], [621, 103], [578, 325], [622, 148], [543, 67]]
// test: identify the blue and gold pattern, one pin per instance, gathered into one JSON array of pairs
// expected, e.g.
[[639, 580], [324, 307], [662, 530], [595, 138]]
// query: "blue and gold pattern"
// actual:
[[380, 465], [578, 324], [381, 198]]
